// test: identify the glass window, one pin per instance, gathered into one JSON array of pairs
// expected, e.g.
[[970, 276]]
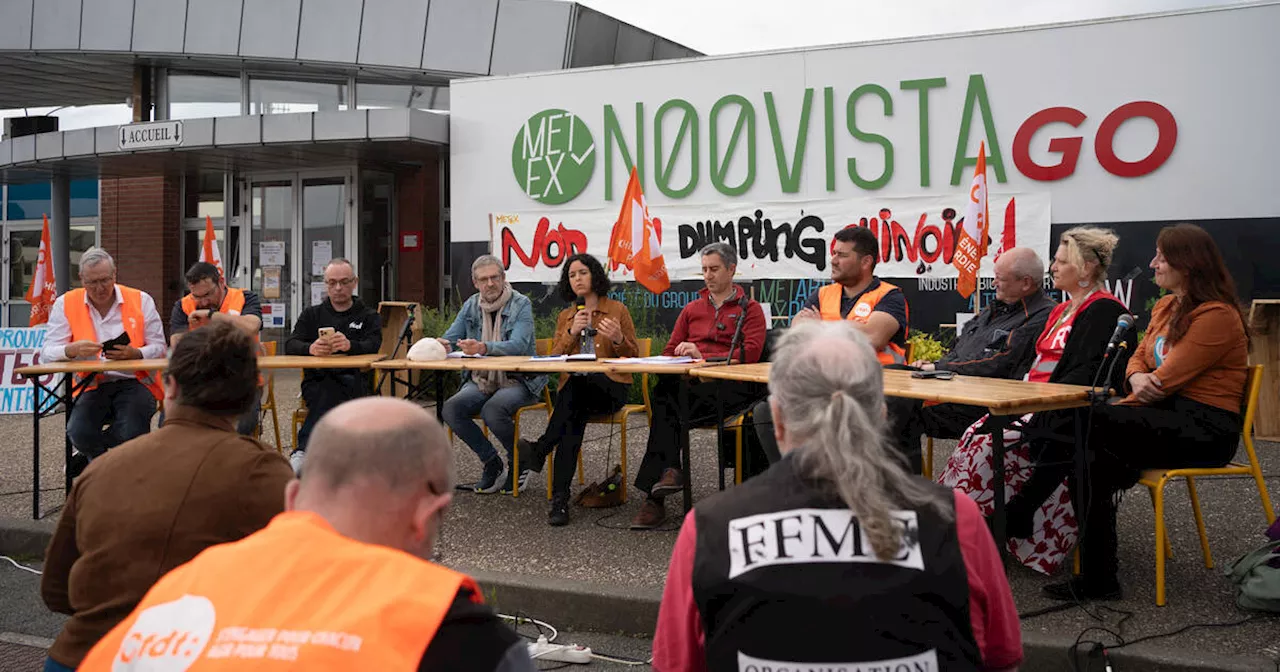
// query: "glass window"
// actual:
[[200, 96], [24, 250], [75, 117], [84, 198], [29, 201], [278, 96], [34, 201], [204, 196], [372, 96]]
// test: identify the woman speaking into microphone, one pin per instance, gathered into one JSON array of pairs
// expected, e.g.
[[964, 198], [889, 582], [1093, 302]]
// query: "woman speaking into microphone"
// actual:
[[1186, 385], [591, 323]]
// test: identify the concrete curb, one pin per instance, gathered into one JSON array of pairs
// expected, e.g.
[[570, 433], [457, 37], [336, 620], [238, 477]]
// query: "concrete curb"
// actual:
[[631, 610], [19, 537]]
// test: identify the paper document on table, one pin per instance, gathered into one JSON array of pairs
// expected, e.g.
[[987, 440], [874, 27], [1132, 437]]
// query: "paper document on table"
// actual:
[[582, 357], [657, 359], [462, 355], [548, 358]]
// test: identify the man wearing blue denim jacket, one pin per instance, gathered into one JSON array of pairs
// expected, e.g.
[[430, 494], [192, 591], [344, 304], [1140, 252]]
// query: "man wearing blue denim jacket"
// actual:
[[496, 321]]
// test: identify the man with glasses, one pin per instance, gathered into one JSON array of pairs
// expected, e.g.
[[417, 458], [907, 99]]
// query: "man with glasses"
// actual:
[[495, 321], [351, 328], [105, 320]]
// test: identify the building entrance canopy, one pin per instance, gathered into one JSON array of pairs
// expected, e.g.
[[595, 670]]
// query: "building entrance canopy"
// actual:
[[384, 139]]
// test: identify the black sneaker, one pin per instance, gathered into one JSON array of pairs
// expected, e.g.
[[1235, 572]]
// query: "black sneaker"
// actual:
[[559, 514], [507, 485], [532, 455], [1079, 588], [495, 473], [79, 462]]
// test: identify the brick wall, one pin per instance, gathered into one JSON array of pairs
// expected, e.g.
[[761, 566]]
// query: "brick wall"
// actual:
[[141, 228]]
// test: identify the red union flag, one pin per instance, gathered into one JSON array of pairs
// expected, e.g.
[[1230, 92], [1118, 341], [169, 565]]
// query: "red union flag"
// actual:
[[636, 240], [43, 288], [209, 250], [971, 239]]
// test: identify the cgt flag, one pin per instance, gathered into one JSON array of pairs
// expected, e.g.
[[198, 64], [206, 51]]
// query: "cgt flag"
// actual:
[[636, 241], [209, 250], [971, 239], [43, 289]]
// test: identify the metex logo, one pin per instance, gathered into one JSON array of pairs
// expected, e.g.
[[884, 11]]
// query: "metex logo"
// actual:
[[803, 536]]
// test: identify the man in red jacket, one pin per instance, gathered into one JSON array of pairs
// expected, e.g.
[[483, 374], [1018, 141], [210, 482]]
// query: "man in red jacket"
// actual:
[[704, 330]]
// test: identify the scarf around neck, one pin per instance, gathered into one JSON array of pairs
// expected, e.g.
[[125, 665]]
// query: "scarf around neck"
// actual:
[[491, 330]]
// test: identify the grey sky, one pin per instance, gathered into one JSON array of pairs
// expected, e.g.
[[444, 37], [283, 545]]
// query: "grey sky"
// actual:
[[733, 26]]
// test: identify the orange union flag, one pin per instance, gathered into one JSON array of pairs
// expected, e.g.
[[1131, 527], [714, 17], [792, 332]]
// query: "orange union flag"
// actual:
[[44, 288], [972, 239], [209, 250], [636, 241]]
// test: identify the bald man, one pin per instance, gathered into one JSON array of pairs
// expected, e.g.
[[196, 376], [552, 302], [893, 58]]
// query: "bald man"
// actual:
[[998, 342], [340, 580]]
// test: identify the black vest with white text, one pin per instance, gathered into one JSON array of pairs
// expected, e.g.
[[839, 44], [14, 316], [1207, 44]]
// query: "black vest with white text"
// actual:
[[785, 580]]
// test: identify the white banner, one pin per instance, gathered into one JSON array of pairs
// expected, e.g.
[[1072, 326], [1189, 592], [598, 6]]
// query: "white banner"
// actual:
[[20, 347], [773, 240]]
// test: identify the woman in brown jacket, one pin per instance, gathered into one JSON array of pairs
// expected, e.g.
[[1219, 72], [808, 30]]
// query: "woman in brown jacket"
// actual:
[[1186, 386], [607, 323]]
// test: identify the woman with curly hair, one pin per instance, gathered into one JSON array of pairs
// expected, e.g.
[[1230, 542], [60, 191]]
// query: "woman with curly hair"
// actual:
[[584, 285]]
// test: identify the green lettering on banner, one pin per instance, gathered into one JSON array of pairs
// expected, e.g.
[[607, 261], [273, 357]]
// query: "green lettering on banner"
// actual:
[[977, 93], [829, 132], [689, 130], [612, 131], [789, 178], [922, 86], [719, 169], [850, 112]]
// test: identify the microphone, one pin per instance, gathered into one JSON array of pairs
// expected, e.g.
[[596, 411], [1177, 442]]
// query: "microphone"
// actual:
[[1123, 323], [1137, 270], [737, 335]]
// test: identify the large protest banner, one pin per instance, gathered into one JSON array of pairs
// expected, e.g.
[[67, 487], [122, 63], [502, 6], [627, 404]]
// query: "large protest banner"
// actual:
[[20, 347]]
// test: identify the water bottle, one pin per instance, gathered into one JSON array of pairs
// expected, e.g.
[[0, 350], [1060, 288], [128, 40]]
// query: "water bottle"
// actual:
[[587, 339]]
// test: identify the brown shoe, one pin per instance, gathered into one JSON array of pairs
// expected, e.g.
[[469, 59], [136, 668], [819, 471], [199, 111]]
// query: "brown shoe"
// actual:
[[652, 514], [672, 481]]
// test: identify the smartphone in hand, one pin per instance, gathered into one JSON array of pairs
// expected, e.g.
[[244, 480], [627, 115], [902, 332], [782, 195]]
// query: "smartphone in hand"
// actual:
[[325, 332], [122, 339]]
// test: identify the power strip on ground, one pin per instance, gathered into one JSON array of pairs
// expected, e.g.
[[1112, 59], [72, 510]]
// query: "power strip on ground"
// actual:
[[563, 653]]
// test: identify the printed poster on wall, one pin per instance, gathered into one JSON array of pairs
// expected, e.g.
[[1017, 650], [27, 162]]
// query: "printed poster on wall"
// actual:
[[273, 316], [321, 255], [271, 253], [317, 293], [20, 347], [776, 240]]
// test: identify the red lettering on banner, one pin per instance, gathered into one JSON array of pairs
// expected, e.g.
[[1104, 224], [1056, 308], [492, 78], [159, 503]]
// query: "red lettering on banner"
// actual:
[[1166, 128], [1069, 148], [551, 247]]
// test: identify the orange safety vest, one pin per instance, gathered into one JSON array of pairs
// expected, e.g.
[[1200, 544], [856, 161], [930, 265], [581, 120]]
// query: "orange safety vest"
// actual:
[[829, 307], [82, 329], [232, 304], [294, 596]]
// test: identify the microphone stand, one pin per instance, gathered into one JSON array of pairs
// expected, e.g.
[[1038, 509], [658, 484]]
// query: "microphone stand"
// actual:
[[736, 341]]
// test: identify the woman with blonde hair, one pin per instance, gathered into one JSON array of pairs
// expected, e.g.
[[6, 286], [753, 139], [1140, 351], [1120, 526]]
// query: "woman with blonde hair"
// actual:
[[835, 556], [1042, 526]]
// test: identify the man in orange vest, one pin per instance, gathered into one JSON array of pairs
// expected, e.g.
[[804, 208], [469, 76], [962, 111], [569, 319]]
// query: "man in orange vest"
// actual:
[[208, 300], [877, 308], [340, 581], [79, 323]]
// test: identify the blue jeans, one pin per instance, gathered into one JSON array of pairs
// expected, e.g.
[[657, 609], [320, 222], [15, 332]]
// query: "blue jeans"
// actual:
[[51, 665], [497, 410], [126, 404]]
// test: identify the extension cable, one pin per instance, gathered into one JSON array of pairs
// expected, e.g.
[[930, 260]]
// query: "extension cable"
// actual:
[[564, 653]]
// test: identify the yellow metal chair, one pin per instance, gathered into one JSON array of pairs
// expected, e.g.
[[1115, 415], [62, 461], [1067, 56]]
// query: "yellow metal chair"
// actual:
[[1155, 480], [543, 347], [644, 346], [269, 403]]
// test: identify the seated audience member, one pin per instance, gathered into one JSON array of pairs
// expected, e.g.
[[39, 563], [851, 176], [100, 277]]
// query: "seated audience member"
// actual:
[[155, 502], [754, 570], [349, 560], [210, 300], [495, 321], [875, 307], [607, 323], [704, 329], [356, 329], [998, 342], [1070, 350], [79, 323], [1186, 391]]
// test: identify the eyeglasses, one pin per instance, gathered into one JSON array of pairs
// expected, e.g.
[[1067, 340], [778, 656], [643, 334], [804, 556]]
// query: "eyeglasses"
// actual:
[[104, 282], [345, 282]]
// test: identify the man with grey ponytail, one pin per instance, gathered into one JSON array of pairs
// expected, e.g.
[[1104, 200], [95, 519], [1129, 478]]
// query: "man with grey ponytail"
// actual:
[[836, 516]]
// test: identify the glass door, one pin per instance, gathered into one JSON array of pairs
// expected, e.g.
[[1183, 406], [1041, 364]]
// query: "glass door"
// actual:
[[271, 247], [299, 223], [377, 238]]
